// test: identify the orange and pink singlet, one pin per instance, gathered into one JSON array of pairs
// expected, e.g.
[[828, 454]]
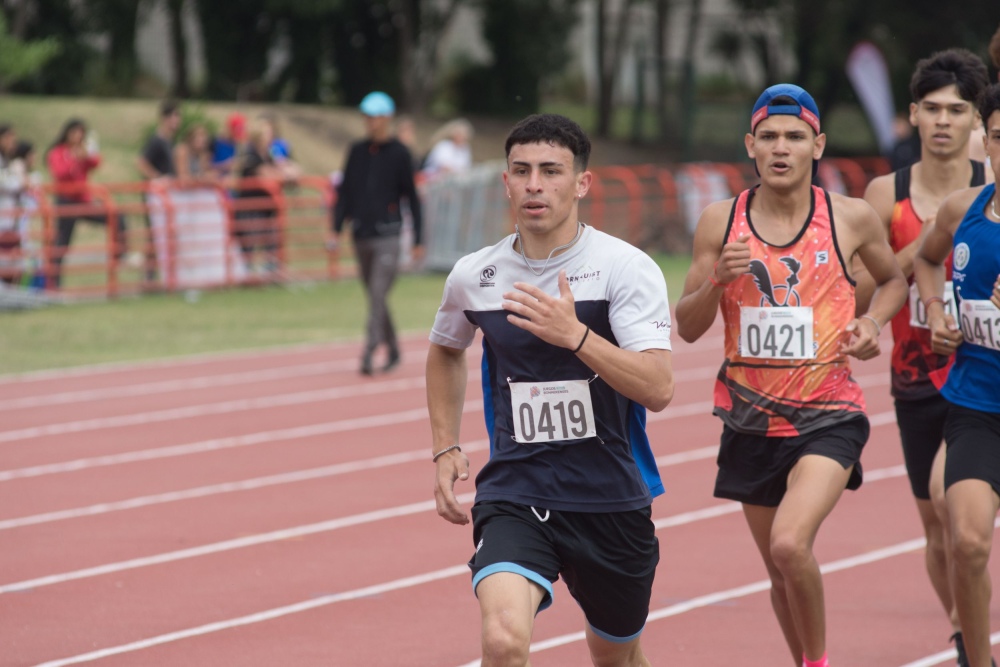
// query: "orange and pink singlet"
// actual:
[[784, 373]]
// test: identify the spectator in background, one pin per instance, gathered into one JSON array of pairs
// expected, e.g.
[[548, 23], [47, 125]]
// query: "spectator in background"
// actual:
[[156, 161], [255, 227], [193, 156], [71, 158], [377, 175], [12, 186], [226, 146], [450, 150], [157, 157]]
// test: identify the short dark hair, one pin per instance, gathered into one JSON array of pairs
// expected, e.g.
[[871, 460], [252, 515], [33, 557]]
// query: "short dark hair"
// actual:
[[5, 128], [989, 102], [169, 108], [960, 67], [553, 129]]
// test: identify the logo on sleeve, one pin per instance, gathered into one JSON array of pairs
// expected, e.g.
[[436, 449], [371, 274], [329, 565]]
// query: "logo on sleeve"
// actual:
[[487, 275]]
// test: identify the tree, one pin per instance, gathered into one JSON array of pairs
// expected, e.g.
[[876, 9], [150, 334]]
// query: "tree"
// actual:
[[522, 60], [21, 59], [118, 19], [178, 50], [609, 63]]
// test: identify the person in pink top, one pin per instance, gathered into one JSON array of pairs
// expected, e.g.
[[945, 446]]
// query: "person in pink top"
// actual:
[[70, 159]]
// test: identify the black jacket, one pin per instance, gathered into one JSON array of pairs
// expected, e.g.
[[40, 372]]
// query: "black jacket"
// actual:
[[376, 177]]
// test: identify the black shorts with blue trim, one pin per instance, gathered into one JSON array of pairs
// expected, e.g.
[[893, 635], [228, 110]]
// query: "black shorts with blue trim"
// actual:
[[607, 560]]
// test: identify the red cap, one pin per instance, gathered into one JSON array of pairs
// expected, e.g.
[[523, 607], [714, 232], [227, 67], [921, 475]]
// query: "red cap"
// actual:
[[237, 126]]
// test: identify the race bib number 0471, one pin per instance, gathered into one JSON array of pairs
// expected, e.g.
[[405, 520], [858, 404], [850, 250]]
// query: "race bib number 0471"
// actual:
[[777, 333], [552, 411], [981, 323]]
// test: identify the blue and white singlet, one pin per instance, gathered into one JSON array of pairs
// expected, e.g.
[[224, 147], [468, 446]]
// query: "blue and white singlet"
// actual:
[[560, 437], [972, 382]]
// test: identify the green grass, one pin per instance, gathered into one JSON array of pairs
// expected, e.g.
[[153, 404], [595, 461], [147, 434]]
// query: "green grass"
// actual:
[[153, 327]]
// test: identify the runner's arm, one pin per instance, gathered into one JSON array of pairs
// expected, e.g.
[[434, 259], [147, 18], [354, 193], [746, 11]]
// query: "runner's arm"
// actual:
[[712, 259], [881, 195], [446, 379], [929, 272], [879, 260]]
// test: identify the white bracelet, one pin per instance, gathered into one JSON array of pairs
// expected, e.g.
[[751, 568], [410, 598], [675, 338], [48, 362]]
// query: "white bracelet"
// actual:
[[444, 451], [878, 327]]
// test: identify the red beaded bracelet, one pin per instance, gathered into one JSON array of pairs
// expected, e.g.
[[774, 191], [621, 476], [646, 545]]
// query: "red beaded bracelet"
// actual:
[[711, 278], [928, 302]]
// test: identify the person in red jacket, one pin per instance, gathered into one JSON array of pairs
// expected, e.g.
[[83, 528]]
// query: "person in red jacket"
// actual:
[[71, 158]]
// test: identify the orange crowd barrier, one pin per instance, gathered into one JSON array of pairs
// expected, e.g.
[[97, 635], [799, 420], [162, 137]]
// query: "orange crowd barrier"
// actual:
[[125, 238]]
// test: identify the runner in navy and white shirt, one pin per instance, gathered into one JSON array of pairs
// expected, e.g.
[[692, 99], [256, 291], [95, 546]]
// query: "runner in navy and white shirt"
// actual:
[[576, 347], [968, 226]]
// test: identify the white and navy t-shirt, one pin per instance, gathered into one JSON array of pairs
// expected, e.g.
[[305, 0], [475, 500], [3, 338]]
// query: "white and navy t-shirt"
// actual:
[[548, 458]]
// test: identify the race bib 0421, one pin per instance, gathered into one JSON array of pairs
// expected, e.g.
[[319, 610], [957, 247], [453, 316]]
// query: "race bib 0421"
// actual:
[[777, 333], [552, 411]]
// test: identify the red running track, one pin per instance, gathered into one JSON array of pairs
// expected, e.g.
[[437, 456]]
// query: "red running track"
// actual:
[[275, 508]]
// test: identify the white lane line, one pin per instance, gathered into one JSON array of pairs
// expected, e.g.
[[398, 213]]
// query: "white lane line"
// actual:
[[259, 617], [286, 478], [263, 437], [225, 407], [167, 386], [230, 487], [241, 378], [459, 570], [299, 531], [946, 656], [230, 545], [742, 591]]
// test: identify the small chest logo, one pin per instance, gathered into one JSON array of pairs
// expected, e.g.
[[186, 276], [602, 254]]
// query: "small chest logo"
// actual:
[[961, 256], [487, 275], [822, 257]]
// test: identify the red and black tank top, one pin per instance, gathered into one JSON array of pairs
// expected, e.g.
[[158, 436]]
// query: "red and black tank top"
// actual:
[[784, 372], [917, 372]]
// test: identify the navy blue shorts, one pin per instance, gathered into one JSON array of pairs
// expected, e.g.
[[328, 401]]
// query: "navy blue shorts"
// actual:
[[753, 469], [606, 559]]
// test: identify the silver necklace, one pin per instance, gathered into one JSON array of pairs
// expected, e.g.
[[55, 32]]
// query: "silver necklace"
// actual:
[[520, 246]]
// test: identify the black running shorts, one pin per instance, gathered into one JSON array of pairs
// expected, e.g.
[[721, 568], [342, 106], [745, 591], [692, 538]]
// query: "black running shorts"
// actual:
[[606, 559], [754, 469], [921, 430], [973, 439]]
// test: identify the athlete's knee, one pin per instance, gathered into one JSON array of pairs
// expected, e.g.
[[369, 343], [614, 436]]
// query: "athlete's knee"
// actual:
[[970, 549], [505, 641], [790, 553]]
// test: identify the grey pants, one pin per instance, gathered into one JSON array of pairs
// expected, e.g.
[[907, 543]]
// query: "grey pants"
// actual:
[[378, 259]]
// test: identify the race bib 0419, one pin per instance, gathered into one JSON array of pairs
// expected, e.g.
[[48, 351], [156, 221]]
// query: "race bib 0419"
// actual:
[[552, 411], [777, 333]]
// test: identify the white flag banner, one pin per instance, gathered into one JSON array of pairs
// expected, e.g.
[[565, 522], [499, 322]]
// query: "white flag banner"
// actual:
[[869, 75]]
